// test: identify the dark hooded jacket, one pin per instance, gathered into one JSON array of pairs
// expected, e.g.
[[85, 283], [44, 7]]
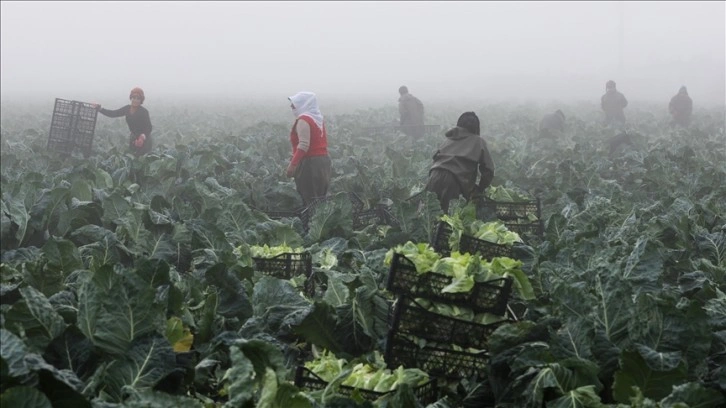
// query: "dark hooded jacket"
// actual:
[[681, 107], [411, 110], [613, 103], [461, 154]]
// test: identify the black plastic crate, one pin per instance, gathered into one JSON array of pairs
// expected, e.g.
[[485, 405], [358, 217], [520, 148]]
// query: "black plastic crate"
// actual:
[[436, 361], [484, 297], [287, 266], [413, 319], [467, 244], [527, 229], [305, 379], [487, 250], [506, 211], [379, 215], [356, 202], [365, 218], [72, 126]]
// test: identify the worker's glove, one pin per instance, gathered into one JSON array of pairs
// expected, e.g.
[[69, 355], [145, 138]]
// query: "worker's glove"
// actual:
[[139, 142]]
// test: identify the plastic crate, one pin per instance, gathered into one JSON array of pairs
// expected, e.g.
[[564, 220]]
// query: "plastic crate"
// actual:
[[506, 211], [380, 215], [467, 244], [436, 361], [287, 266], [484, 297], [304, 378], [527, 229], [72, 126], [411, 318], [487, 250]]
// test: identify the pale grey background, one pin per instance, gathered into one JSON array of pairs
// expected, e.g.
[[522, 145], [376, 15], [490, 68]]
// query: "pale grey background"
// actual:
[[363, 51]]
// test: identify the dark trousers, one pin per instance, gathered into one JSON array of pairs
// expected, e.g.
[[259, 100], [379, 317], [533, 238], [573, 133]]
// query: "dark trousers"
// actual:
[[312, 178], [445, 185]]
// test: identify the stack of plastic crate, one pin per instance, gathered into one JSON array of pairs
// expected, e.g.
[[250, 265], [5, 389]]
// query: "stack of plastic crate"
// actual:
[[524, 218], [441, 345], [72, 126], [467, 244]]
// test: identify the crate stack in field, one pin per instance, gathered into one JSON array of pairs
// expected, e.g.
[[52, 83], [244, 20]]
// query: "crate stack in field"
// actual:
[[72, 126], [524, 218], [441, 345], [467, 244]]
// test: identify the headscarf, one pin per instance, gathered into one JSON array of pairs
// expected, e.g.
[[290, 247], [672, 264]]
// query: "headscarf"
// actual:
[[137, 91], [306, 103]]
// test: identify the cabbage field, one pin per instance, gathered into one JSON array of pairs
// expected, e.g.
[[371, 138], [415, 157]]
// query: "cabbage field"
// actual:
[[135, 282]]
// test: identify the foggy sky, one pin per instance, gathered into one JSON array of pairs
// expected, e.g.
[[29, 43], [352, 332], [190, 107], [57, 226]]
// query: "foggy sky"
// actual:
[[363, 51]]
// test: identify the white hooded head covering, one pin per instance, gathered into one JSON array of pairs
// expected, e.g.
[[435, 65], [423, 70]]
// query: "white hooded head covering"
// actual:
[[306, 103]]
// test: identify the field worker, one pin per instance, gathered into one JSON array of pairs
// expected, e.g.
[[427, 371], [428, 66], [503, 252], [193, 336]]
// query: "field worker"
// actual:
[[411, 111], [310, 164], [681, 108], [456, 162], [552, 124], [137, 117], [613, 103]]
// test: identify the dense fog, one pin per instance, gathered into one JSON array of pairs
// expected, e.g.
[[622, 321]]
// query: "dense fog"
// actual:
[[361, 52]]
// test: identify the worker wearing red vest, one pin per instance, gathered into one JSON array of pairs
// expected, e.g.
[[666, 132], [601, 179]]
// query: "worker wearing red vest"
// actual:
[[310, 164]]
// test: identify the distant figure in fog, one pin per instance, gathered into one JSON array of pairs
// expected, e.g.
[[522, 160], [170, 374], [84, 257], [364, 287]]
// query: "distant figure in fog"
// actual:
[[681, 108], [552, 124], [454, 171], [137, 117], [411, 111], [613, 103], [310, 164]]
